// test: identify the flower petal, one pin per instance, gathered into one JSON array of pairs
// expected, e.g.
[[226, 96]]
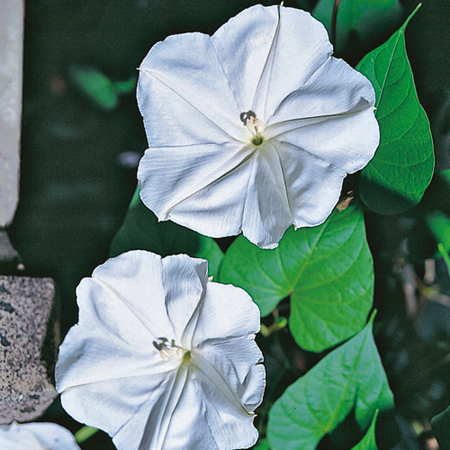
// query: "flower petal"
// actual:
[[250, 197], [226, 312], [331, 117], [227, 362], [267, 211], [107, 331], [313, 184], [269, 52], [170, 176], [179, 422], [205, 418], [108, 366], [36, 436], [238, 362], [124, 407], [132, 275], [185, 281], [178, 88]]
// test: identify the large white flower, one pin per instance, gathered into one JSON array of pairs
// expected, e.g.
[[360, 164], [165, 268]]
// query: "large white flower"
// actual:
[[36, 436], [163, 358], [253, 128]]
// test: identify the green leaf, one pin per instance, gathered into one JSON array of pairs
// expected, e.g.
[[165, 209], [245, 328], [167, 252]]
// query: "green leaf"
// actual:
[[349, 378], [366, 18], [326, 270], [396, 178], [141, 230], [368, 442], [445, 175], [95, 86], [441, 428], [98, 88], [440, 227]]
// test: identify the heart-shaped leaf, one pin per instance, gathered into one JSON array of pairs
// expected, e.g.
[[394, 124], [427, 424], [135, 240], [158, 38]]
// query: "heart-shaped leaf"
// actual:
[[396, 178], [349, 378], [326, 270], [142, 231], [368, 442]]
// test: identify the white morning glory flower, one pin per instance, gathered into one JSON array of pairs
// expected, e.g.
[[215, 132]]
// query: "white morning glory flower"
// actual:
[[253, 128], [36, 436], [162, 358]]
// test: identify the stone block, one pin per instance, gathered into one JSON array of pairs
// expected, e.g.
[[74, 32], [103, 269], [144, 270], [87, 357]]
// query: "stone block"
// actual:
[[11, 53], [28, 342]]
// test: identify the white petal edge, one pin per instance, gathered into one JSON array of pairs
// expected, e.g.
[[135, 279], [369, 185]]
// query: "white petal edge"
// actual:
[[36, 436]]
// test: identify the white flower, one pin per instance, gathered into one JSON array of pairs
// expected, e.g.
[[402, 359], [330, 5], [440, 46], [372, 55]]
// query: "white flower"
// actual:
[[163, 358], [36, 436], [253, 128]]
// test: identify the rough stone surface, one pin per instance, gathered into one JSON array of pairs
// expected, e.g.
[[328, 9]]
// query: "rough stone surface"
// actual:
[[25, 308], [11, 51]]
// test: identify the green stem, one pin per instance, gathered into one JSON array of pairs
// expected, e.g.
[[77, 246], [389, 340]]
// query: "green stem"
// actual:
[[83, 434], [334, 22]]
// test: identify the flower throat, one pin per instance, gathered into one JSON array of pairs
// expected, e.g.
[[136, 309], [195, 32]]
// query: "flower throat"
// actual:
[[254, 125]]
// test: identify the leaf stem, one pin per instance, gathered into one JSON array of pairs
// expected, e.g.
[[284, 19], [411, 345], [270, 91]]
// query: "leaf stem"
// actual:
[[334, 22]]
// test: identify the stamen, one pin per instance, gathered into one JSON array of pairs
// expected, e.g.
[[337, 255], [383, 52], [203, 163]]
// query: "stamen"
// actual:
[[245, 116], [254, 125], [168, 350], [168, 353]]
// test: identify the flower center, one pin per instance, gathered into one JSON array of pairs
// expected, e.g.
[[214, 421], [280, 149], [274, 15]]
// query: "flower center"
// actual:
[[169, 350], [254, 125]]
